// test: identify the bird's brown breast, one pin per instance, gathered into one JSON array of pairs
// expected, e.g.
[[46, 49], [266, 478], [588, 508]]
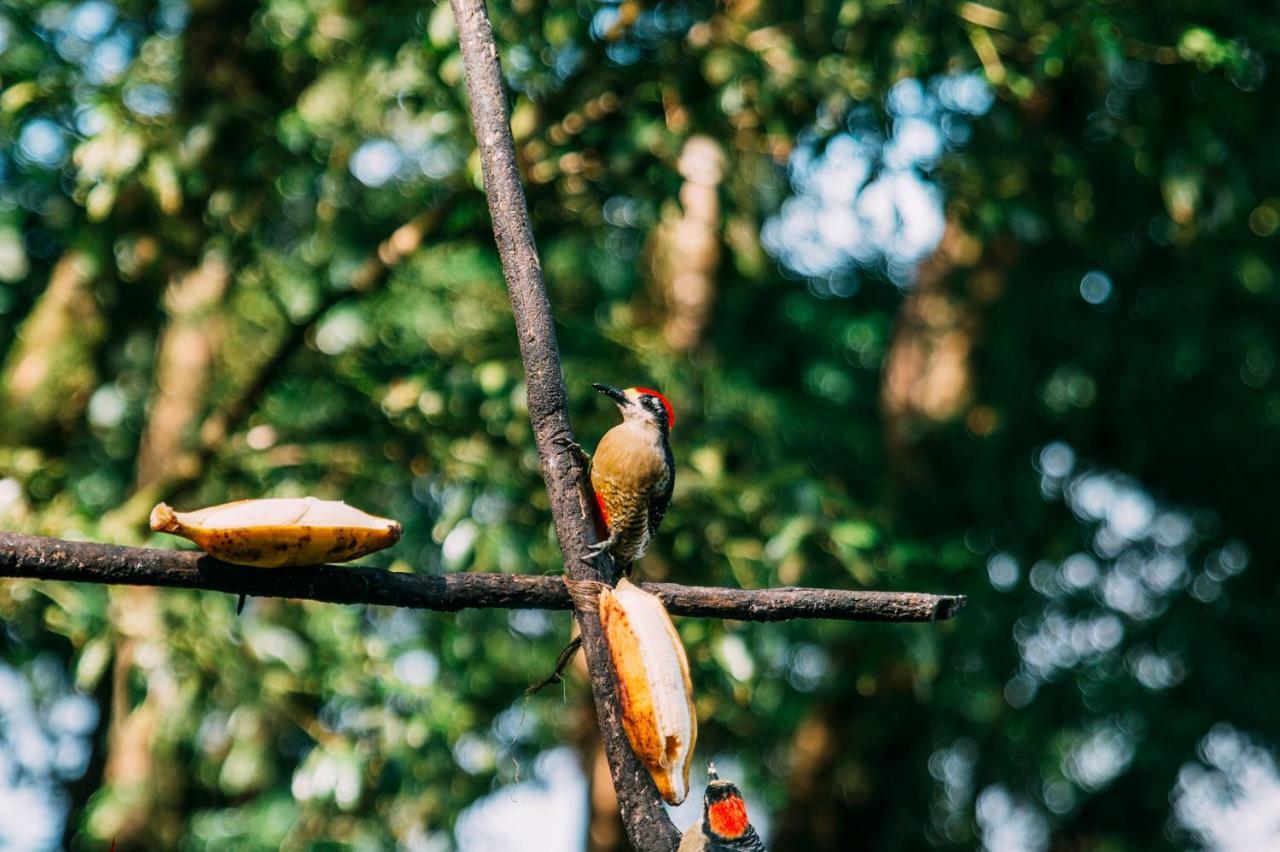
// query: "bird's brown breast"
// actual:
[[629, 456]]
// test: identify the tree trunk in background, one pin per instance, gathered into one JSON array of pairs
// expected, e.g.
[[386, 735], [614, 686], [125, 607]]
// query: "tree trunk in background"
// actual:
[[847, 767], [144, 809], [141, 806], [150, 817], [605, 832], [927, 377], [183, 361], [49, 374], [83, 788], [810, 811], [686, 245], [926, 370]]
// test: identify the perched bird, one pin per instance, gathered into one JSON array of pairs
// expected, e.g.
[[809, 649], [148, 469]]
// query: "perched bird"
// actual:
[[633, 472], [724, 826]]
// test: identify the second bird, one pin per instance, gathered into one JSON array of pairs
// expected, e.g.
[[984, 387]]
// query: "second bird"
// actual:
[[633, 472], [724, 826]]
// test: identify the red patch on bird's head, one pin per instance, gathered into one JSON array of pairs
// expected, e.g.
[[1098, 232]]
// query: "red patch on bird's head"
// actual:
[[727, 818], [671, 412]]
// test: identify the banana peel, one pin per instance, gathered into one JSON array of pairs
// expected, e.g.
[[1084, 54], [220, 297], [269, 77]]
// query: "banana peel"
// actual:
[[279, 532], [654, 690]]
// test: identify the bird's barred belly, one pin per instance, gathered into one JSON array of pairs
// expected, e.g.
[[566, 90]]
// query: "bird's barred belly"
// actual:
[[628, 523], [633, 539]]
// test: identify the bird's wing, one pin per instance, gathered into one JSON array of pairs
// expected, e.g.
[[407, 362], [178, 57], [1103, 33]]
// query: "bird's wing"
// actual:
[[750, 842], [661, 497]]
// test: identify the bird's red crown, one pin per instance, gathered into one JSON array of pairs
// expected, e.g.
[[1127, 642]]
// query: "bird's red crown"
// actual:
[[671, 412]]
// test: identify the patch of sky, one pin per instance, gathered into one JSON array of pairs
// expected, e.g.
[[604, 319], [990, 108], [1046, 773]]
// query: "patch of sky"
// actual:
[[1229, 798], [44, 742], [1136, 558], [41, 143], [863, 198]]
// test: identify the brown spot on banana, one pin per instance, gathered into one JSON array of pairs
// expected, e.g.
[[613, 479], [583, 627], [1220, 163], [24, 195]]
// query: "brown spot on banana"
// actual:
[[280, 532]]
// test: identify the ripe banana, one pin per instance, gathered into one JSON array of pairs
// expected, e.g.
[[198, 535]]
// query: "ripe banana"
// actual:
[[279, 532], [654, 690]]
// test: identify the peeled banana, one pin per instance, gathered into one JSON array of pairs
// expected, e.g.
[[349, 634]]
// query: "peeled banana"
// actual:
[[654, 689], [279, 532]]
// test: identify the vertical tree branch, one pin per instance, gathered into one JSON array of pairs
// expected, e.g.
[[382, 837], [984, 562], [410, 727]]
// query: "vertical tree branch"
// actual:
[[642, 813]]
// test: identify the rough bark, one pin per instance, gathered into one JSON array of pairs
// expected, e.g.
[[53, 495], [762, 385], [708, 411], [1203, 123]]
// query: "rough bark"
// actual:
[[648, 826], [39, 558], [604, 825], [787, 603]]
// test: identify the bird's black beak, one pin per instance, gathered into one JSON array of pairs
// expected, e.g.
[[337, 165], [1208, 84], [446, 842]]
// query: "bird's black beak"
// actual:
[[711, 773], [613, 393]]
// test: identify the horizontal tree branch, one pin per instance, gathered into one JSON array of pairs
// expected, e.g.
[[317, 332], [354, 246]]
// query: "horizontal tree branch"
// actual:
[[41, 558], [791, 602]]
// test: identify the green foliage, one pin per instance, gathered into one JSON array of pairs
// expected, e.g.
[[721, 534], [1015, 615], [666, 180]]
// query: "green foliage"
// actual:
[[1112, 303]]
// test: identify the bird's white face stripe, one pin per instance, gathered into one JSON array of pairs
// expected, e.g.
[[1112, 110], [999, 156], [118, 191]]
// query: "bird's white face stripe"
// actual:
[[642, 410]]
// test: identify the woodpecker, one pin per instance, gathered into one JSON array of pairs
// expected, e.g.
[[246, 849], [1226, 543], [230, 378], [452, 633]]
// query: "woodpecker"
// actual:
[[724, 826], [633, 472]]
